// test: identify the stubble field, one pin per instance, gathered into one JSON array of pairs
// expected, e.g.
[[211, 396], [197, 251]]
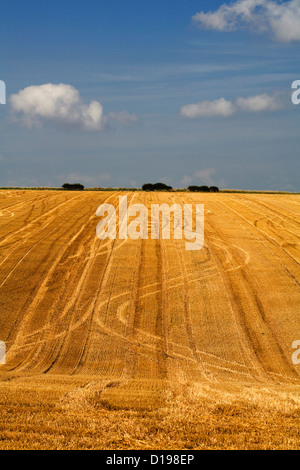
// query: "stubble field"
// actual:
[[140, 344]]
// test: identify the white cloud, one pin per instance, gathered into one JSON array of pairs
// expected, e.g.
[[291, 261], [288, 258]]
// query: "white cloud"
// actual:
[[224, 108], [219, 107], [259, 103], [62, 106], [59, 104], [281, 20]]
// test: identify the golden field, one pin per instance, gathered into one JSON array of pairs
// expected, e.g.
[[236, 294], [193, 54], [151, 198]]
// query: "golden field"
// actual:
[[124, 344]]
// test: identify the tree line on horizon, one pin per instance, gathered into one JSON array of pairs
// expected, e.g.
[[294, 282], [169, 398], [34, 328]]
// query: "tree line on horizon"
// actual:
[[165, 187], [150, 187]]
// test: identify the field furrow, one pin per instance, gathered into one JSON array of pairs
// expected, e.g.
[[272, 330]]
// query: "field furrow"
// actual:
[[136, 326]]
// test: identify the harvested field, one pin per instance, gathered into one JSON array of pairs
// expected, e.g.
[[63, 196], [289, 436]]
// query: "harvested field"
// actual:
[[140, 344]]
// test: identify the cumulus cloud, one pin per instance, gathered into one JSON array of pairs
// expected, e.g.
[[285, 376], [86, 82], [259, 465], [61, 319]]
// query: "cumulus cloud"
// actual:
[[60, 105], [224, 108], [280, 19], [219, 107], [259, 103]]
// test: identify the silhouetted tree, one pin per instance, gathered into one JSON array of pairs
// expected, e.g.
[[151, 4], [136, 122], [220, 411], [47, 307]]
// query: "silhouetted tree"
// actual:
[[73, 187], [156, 187], [199, 189], [214, 189], [147, 187]]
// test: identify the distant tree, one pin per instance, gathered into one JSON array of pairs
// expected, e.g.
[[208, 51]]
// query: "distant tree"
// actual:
[[147, 187], [214, 189], [199, 189], [156, 187], [73, 187], [162, 187]]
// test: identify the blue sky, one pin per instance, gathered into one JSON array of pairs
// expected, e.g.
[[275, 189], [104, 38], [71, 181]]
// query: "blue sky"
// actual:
[[177, 98]]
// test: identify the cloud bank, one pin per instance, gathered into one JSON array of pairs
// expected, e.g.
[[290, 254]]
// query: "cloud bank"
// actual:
[[62, 106], [224, 108], [280, 20]]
